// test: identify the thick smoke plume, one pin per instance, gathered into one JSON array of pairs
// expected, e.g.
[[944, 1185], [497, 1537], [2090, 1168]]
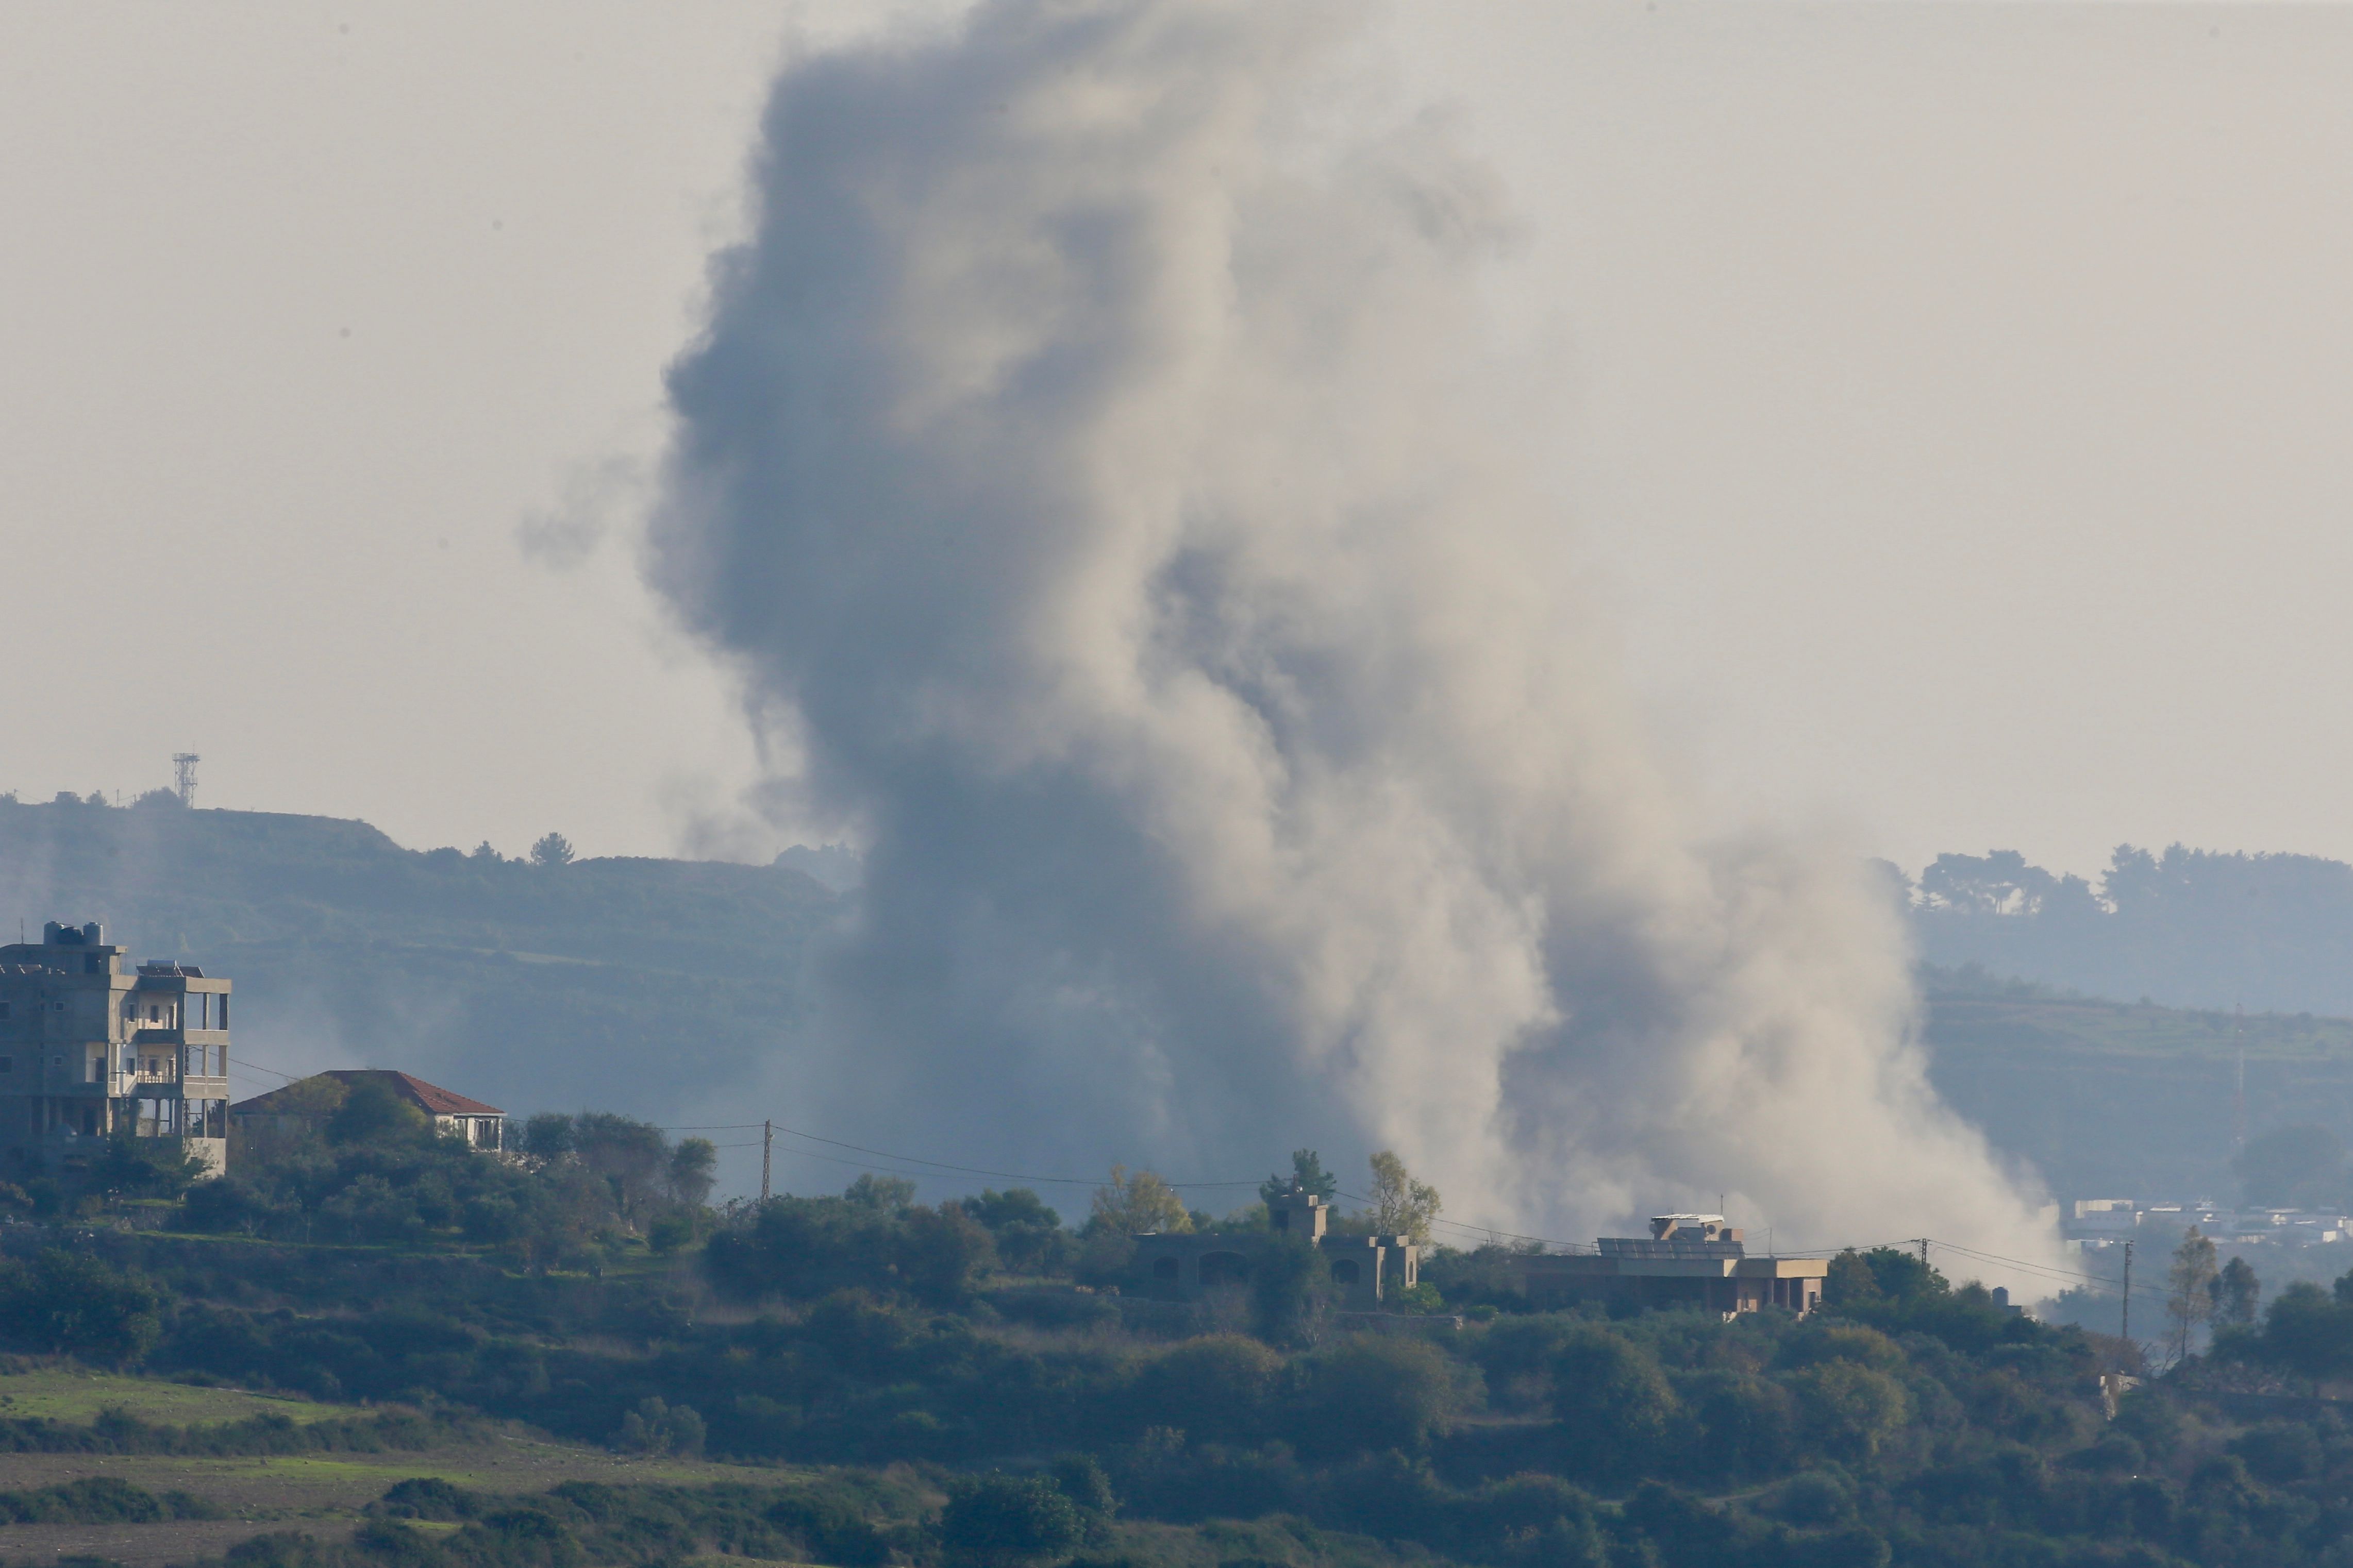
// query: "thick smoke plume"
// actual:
[[1093, 464]]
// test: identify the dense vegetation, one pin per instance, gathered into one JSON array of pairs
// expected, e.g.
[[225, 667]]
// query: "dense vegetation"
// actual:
[[986, 1392]]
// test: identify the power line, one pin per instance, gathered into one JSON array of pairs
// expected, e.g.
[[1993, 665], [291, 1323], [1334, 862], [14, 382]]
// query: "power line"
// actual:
[[1465, 1227], [975, 1170]]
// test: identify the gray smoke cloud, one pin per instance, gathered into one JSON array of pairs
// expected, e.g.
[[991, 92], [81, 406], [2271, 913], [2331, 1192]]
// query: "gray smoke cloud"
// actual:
[[1096, 466]]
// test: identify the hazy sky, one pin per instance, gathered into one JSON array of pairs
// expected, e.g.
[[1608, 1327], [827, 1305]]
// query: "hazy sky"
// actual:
[[1959, 413]]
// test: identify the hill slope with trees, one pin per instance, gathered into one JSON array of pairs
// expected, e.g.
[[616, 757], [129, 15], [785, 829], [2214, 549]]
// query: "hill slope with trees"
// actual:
[[530, 985]]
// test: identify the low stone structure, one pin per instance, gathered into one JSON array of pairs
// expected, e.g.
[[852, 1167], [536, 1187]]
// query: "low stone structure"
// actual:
[[1366, 1271], [1687, 1260]]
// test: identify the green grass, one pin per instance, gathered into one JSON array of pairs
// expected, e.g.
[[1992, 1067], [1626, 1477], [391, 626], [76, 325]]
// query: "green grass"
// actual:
[[2051, 1026], [456, 1468], [60, 1395]]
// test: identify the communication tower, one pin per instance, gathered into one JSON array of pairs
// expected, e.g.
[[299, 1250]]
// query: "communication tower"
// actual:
[[184, 767], [2239, 1101]]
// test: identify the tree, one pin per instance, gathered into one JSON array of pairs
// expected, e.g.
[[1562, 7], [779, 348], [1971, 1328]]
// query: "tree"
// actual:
[[79, 1305], [372, 1113], [1899, 1275], [1138, 1204], [1003, 1521], [2307, 1331], [1021, 1206], [655, 1427], [547, 1136], [551, 851], [1307, 1175], [1615, 1402], [146, 1167], [1850, 1280], [1377, 1392], [693, 1167], [632, 1156], [941, 1252], [1401, 1205], [886, 1194], [1029, 1234], [2236, 1292], [1083, 1482], [2189, 1298]]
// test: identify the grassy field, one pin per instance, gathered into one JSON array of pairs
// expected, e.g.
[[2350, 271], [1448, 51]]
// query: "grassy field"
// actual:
[[59, 1394], [2116, 1099], [319, 1494], [2092, 1027]]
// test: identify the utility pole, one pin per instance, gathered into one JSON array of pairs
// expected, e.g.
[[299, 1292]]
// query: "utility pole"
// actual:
[[2127, 1323], [767, 1149], [1923, 1254], [2238, 1105]]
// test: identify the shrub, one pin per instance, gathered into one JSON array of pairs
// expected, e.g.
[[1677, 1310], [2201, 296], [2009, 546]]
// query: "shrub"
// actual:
[[1216, 1389], [656, 1427], [1002, 1522], [1847, 1411], [78, 1306], [1612, 1398], [1376, 1392]]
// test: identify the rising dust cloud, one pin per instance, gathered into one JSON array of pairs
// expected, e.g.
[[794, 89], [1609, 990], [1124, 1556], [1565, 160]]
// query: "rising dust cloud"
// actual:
[[1095, 465]]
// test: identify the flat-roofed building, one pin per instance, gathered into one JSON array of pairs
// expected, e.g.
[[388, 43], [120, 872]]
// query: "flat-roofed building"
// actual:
[[90, 1049], [1687, 1260]]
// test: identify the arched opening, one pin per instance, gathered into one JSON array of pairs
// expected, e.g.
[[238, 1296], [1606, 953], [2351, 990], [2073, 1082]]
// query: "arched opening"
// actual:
[[1164, 1270], [1344, 1271], [1223, 1268]]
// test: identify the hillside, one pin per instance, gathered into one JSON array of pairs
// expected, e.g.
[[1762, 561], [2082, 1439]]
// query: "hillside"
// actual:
[[2128, 1098], [653, 986], [661, 987], [2189, 928]]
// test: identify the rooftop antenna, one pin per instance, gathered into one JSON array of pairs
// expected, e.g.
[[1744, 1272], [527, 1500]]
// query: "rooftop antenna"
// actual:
[[184, 768]]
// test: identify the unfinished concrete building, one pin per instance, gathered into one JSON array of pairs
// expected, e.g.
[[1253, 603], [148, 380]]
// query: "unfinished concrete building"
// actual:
[[1687, 1260], [91, 1050], [1366, 1271]]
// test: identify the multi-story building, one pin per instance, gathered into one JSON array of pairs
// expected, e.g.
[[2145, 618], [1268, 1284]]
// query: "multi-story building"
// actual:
[[89, 1051]]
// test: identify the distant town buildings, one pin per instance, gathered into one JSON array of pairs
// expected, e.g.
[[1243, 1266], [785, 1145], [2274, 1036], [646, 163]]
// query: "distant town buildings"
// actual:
[[2095, 1225], [1687, 1260], [89, 1051], [300, 1106]]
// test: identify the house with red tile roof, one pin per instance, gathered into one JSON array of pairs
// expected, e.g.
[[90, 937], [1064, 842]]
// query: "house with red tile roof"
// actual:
[[308, 1103]]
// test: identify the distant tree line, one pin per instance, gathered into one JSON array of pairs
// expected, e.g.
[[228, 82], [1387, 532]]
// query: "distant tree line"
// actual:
[[2184, 927]]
